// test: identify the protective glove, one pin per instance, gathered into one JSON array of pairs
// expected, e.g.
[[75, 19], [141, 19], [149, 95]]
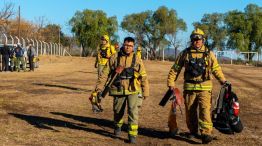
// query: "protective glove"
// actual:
[[119, 69], [95, 101], [141, 96], [171, 88], [226, 83]]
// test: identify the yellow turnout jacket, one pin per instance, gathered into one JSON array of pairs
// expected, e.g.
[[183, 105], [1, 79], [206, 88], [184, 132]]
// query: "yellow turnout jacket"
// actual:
[[196, 83]]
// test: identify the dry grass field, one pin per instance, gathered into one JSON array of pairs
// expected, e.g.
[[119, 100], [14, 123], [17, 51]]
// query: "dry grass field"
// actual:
[[50, 106]]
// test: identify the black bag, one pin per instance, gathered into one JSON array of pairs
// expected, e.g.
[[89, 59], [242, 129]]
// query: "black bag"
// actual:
[[225, 116]]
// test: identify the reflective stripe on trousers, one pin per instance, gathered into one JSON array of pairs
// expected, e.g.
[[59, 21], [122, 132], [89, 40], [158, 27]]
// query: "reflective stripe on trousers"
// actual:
[[133, 103], [193, 99]]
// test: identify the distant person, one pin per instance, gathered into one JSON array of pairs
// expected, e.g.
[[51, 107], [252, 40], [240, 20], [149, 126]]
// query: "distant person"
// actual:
[[12, 58], [117, 47], [5, 51], [104, 53], [139, 52], [25, 55], [199, 63], [19, 54], [31, 54]]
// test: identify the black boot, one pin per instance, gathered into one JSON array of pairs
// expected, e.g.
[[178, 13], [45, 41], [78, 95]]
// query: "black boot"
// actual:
[[206, 139], [132, 139], [173, 133], [117, 131]]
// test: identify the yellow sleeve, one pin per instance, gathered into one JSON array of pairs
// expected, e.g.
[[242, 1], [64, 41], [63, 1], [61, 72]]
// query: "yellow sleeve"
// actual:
[[175, 70], [216, 69], [113, 50], [144, 79]]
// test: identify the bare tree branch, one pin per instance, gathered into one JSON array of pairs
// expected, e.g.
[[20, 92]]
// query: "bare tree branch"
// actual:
[[7, 11]]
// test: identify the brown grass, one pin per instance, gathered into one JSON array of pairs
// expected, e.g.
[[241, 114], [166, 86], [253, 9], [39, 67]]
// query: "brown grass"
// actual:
[[50, 106]]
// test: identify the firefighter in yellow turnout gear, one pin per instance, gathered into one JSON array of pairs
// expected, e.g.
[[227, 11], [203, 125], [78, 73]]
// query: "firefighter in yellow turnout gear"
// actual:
[[199, 63], [129, 88], [139, 52], [104, 53]]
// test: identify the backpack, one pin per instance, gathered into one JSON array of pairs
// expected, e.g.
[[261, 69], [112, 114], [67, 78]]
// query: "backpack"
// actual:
[[225, 116]]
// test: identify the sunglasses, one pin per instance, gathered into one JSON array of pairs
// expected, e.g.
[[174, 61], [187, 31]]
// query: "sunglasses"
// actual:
[[196, 37]]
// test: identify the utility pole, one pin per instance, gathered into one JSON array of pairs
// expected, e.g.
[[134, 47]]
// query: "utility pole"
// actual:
[[19, 21], [59, 40]]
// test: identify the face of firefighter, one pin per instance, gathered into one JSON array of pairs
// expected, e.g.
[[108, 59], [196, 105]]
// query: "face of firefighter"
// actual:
[[198, 43], [128, 47], [103, 41]]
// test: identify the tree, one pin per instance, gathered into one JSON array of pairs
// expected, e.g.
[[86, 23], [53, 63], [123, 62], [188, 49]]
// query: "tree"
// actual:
[[214, 28], [27, 29], [6, 13], [174, 26], [245, 29], [89, 25], [151, 28]]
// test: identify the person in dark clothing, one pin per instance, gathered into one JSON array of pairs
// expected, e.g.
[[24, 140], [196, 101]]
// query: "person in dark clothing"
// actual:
[[31, 55], [19, 54], [5, 51], [12, 58]]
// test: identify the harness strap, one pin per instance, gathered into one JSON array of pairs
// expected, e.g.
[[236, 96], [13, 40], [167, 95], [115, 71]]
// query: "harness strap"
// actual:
[[205, 56], [119, 54]]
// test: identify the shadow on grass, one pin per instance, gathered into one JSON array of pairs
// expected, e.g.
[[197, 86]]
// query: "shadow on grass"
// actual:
[[149, 132], [62, 86], [48, 124]]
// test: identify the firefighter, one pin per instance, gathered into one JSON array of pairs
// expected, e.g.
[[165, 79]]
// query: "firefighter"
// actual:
[[139, 52], [199, 63], [116, 47], [129, 88], [104, 53]]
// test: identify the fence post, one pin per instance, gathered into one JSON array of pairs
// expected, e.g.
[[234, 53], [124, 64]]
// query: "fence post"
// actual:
[[23, 41], [36, 47], [6, 40], [12, 40]]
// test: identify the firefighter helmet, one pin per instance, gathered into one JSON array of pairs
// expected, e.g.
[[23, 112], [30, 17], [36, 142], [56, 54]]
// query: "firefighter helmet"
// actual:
[[139, 48], [197, 34], [105, 37]]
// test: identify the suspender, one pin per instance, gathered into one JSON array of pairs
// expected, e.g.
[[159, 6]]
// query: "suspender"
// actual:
[[133, 59]]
